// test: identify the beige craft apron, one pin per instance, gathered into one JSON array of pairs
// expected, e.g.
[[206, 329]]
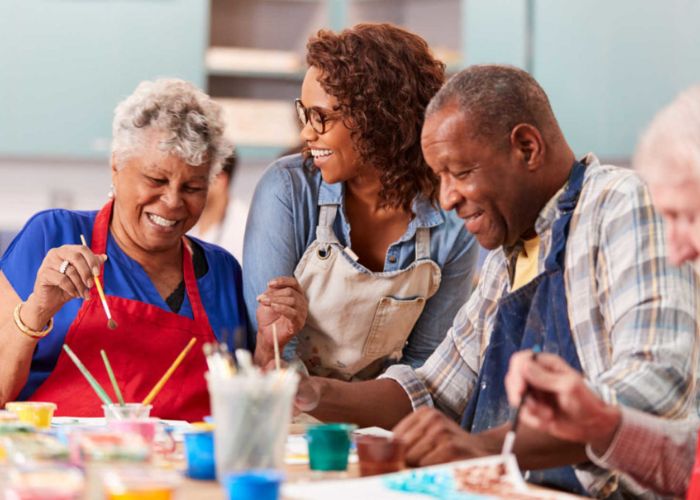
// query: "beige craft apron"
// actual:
[[357, 319]]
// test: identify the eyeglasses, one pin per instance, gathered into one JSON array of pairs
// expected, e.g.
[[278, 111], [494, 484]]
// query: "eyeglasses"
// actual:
[[314, 116]]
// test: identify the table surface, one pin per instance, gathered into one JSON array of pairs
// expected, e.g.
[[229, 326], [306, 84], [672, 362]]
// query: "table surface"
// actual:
[[212, 490]]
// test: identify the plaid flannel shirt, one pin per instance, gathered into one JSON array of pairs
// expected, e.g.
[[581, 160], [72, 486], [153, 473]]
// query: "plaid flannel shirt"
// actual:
[[632, 314]]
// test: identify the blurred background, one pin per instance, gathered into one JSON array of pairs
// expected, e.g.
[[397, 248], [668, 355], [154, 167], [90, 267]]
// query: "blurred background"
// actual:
[[607, 66]]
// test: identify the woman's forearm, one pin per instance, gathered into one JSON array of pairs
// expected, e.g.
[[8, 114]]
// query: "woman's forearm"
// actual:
[[16, 348], [15, 362]]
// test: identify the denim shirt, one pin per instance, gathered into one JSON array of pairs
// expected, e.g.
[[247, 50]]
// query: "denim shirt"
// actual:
[[282, 224]]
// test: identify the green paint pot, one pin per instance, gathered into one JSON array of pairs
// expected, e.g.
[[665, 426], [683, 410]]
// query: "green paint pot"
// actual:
[[329, 446]]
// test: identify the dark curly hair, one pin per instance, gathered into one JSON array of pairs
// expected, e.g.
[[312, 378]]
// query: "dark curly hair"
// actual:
[[383, 78]]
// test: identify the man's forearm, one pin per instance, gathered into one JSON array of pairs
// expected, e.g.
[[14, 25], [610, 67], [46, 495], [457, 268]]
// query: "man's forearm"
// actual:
[[380, 402], [534, 450]]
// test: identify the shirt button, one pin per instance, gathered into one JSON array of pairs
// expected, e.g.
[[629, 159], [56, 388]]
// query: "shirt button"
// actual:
[[392, 259]]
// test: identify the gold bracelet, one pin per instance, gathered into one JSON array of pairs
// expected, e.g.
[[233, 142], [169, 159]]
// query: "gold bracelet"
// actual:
[[28, 331]]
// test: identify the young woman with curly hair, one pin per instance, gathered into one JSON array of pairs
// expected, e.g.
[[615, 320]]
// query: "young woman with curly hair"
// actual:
[[354, 217]]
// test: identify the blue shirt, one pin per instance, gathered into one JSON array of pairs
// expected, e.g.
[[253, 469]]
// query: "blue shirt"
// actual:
[[282, 224], [219, 289]]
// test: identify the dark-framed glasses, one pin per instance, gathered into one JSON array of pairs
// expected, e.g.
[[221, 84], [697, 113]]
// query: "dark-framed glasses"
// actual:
[[317, 118]]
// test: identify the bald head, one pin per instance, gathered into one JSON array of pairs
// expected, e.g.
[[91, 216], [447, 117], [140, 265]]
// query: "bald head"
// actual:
[[495, 99]]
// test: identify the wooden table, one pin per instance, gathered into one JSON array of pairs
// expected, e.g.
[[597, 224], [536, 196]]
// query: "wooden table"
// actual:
[[212, 490]]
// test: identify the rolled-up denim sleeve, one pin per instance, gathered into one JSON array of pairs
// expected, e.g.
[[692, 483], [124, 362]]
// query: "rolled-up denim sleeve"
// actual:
[[270, 248], [455, 289]]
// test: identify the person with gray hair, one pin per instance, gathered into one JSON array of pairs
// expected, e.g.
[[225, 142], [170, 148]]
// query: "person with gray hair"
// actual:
[[161, 288], [577, 268], [658, 453]]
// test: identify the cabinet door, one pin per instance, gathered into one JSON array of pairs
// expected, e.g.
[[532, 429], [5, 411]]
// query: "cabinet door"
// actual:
[[65, 64]]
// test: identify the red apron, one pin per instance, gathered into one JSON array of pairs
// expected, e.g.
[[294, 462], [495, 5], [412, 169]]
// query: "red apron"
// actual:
[[694, 486], [140, 350]]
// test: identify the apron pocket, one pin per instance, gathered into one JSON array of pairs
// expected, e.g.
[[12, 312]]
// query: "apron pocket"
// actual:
[[392, 324]]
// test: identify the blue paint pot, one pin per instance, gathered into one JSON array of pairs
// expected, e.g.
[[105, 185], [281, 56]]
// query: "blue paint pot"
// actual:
[[199, 452], [253, 485]]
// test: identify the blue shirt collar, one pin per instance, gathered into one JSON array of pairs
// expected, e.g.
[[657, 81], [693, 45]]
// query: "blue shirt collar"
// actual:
[[331, 194], [427, 214]]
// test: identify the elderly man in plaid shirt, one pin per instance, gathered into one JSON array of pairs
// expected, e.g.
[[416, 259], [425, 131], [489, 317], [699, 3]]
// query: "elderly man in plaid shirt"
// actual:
[[578, 268], [658, 453]]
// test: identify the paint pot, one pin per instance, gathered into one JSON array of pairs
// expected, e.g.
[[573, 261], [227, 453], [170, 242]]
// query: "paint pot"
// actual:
[[6, 416], [199, 453], [33, 412], [379, 454], [253, 485], [146, 428], [329, 446], [147, 483], [45, 482], [129, 411]]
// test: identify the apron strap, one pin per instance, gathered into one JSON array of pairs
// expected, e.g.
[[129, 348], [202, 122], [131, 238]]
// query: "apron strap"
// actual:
[[422, 243], [560, 229], [198, 312], [100, 229], [326, 218]]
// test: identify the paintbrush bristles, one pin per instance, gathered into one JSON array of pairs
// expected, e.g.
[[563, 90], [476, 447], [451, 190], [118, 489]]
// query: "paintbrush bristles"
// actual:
[[111, 324]]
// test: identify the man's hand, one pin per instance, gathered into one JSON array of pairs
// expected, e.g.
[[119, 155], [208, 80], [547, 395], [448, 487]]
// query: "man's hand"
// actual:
[[559, 402], [433, 438]]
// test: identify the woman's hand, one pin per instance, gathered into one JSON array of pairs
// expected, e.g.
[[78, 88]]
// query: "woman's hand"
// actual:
[[283, 305], [53, 288]]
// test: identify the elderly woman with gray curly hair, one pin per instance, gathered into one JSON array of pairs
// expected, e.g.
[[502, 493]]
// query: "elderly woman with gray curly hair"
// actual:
[[161, 287]]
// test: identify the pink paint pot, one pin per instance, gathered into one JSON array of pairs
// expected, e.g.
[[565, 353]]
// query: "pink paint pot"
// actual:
[[144, 427]]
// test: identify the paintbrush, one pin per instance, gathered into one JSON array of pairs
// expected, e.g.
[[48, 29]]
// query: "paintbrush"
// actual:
[[88, 376], [110, 322], [219, 359], [278, 363], [509, 440], [166, 376], [112, 378]]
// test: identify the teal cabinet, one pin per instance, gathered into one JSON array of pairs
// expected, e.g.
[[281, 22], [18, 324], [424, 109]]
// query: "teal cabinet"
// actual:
[[64, 65], [607, 67]]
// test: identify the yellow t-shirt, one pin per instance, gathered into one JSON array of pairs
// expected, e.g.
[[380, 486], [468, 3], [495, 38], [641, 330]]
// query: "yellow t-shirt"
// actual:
[[526, 265]]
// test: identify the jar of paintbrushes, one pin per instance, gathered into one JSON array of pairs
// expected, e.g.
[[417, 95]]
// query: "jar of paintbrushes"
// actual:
[[252, 411]]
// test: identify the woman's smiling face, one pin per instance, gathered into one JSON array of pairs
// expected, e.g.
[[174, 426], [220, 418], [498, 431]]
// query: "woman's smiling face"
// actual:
[[158, 197], [333, 151]]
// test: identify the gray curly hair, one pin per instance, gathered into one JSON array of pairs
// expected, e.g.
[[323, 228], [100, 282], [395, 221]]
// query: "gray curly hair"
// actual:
[[189, 120], [669, 150]]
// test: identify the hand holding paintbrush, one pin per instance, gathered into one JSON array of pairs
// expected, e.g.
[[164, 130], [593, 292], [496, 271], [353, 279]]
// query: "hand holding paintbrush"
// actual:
[[556, 399], [510, 436]]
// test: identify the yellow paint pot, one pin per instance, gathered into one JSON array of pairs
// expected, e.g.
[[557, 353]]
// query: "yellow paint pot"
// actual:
[[33, 412]]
